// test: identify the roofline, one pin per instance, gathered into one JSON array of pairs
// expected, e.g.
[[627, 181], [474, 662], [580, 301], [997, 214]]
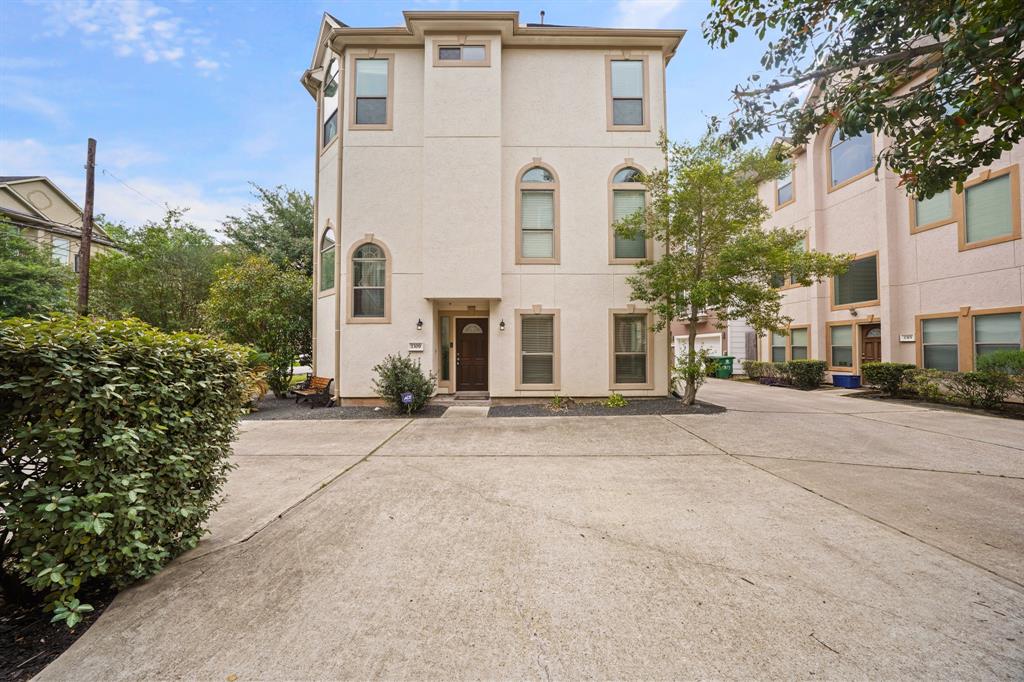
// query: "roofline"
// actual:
[[418, 24], [52, 226]]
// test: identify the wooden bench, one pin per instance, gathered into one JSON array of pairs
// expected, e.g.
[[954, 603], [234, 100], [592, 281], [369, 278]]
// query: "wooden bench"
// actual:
[[317, 390]]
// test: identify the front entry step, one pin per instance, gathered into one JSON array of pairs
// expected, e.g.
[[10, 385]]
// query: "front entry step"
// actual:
[[473, 395], [466, 412]]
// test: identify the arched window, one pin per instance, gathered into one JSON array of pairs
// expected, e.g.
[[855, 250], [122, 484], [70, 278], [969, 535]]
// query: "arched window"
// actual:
[[537, 215], [849, 157], [327, 248], [369, 283], [628, 196]]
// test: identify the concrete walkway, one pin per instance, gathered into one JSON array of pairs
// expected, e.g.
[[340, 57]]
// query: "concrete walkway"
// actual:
[[797, 535]]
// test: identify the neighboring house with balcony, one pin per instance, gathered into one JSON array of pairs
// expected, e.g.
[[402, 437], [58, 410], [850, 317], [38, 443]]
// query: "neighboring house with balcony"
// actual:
[[935, 282], [48, 217], [469, 169]]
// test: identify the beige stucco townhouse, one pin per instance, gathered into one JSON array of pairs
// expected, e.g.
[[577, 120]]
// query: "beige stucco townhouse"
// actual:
[[936, 283], [45, 215], [469, 169]]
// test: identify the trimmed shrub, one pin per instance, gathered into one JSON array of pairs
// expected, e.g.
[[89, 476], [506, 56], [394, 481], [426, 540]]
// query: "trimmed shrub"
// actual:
[[886, 376], [115, 440], [753, 369], [927, 384], [1008, 362], [780, 373], [399, 377], [806, 374], [979, 389]]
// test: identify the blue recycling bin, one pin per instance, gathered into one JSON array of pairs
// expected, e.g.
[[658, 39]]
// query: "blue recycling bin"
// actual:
[[846, 380]]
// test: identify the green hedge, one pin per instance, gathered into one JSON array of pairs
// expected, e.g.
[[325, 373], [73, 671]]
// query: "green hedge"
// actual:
[[115, 440], [887, 376], [806, 374], [401, 374]]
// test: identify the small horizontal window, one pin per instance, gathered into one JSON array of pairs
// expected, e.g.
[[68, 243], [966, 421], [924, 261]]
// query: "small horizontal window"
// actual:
[[461, 54]]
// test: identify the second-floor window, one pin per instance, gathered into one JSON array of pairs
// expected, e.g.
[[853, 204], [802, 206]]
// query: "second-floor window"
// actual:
[[369, 283], [784, 189], [849, 157], [372, 92], [991, 215], [628, 196], [858, 286], [330, 103], [538, 216], [327, 250], [461, 55], [628, 98]]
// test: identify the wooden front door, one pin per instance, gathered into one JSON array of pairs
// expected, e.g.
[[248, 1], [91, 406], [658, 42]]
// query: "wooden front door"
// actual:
[[471, 354], [870, 343]]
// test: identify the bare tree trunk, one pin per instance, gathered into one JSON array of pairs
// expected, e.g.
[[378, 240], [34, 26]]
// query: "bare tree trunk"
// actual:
[[690, 394]]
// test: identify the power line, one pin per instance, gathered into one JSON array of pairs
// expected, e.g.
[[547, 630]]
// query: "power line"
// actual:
[[150, 200]]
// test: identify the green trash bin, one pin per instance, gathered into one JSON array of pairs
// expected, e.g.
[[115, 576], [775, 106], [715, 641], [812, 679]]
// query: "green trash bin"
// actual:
[[724, 370]]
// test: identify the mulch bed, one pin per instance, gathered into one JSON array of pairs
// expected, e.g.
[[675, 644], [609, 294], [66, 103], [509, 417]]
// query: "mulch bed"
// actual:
[[285, 408], [645, 406], [1009, 411], [29, 641]]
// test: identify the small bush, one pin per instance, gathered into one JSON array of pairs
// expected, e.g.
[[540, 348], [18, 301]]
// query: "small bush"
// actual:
[[398, 375], [927, 384], [1008, 362], [615, 400], [806, 374], [560, 403], [753, 369], [979, 389], [710, 362], [114, 446], [887, 376], [780, 373], [697, 372]]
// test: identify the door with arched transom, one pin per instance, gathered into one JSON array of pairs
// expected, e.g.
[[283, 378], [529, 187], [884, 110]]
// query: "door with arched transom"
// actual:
[[471, 354]]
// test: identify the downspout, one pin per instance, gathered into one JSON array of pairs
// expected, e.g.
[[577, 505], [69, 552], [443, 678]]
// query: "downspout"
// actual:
[[318, 109], [339, 286]]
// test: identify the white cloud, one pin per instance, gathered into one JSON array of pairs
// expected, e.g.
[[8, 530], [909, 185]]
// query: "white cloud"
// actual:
[[130, 28], [207, 66], [644, 13]]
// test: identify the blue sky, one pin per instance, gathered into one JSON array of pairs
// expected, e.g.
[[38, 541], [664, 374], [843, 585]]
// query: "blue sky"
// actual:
[[192, 100]]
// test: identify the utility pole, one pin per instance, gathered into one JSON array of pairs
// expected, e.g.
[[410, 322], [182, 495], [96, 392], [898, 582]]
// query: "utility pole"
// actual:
[[85, 247]]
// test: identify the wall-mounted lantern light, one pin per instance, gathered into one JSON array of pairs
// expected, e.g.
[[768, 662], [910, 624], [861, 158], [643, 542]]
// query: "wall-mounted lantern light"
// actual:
[[419, 325], [501, 325]]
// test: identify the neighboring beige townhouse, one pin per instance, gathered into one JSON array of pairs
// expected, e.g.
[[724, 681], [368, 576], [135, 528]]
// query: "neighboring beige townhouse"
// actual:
[[45, 215], [935, 282], [469, 170]]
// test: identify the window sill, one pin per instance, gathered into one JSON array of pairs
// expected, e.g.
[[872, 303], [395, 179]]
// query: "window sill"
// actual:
[[967, 246], [931, 226], [855, 306], [850, 181], [327, 292], [641, 128], [368, 320]]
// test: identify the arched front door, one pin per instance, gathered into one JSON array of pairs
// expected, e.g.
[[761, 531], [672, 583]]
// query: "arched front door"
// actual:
[[471, 354]]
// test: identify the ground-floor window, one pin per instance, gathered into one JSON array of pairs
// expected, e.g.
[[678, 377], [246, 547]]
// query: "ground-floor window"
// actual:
[[939, 345], [840, 339], [446, 347], [996, 332], [799, 344], [537, 350], [778, 347], [629, 342]]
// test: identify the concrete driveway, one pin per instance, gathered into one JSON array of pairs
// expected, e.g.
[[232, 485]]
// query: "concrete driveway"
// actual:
[[796, 535]]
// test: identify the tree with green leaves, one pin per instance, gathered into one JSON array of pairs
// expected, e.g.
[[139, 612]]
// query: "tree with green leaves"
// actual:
[[860, 56], [705, 211], [280, 227], [258, 304], [31, 281], [162, 275]]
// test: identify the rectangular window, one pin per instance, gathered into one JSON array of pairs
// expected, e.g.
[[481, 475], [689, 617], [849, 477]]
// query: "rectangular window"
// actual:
[[996, 332], [371, 91], [778, 347], [327, 269], [537, 221], [939, 345], [461, 55], [446, 344], [330, 127], [798, 344], [60, 249], [784, 189], [537, 349], [799, 248], [932, 212], [859, 284], [841, 345], [988, 210], [624, 204], [627, 92], [630, 349]]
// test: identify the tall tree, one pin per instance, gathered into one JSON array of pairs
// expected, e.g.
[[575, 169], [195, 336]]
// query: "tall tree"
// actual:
[[256, 303], [706, 212], [162, 276], [280, 227], [31, 281], [861, 54]]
